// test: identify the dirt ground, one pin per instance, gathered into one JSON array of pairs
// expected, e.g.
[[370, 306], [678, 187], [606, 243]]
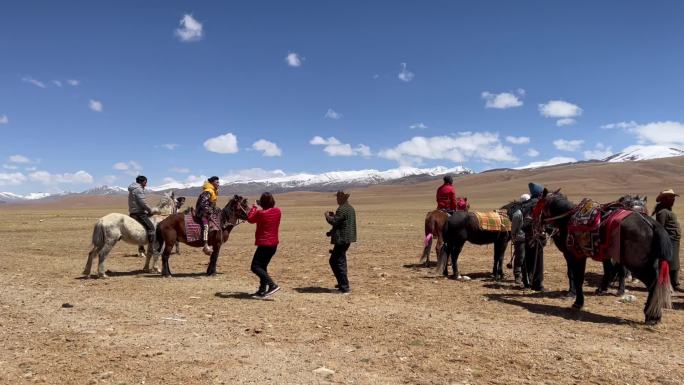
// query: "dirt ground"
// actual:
[[401, 324]]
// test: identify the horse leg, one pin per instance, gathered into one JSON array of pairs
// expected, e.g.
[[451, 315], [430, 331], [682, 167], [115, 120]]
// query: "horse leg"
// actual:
[[89, 261], [141, 251], [166, 269], [579, 266], [572, 289], [499, 254], [455, 252], [101, 272], [211, 269], [608, 275], [621, 279]]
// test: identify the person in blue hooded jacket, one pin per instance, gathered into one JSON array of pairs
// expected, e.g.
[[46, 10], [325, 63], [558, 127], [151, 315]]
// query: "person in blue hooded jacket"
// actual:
[[533, 263]]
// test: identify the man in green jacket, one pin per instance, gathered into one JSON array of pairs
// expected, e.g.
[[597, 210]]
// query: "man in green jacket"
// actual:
[[343, 233], [667, 218]]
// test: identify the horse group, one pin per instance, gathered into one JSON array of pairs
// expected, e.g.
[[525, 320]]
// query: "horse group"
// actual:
[[170, 229], [645, 247]]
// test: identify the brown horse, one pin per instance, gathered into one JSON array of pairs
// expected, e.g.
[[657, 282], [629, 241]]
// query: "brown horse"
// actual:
[[434, 224], [172, 230]]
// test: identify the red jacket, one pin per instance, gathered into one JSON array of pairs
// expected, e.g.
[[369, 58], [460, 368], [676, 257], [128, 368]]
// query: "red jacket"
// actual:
[[446, 197], [268, 222]]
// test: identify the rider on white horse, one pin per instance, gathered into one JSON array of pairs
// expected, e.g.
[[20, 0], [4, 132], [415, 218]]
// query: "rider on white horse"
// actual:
[[138, 208]]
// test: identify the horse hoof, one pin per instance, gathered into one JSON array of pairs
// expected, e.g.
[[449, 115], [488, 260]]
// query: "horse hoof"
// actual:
[[166, 275], [102, 276]]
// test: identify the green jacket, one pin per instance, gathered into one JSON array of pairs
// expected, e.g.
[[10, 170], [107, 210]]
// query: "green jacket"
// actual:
[[669, 220], [344, 224]]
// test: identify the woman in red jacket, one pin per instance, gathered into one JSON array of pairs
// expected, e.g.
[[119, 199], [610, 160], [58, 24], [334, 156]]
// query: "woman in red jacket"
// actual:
[[266, 239]]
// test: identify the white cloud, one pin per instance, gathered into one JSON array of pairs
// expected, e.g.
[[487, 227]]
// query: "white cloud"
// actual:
[[532, 153], [73, 82], [521, 91], [47, 178], [484, 146], [4, 119], [501, 101], [620, 125], [518, 139], [57, 83], [333, 147], [565, 122], [418, 126], [12, 179], [19, 159], [222, 144], [190, 29], [405, 75], [561, 109], [568, 145], [550, 162], [32, 168], [267, 148], [95, 105], [599, 152], [332, 114], [293, 59], [169, 146], [33, 81], [10, 167], [180, 170], [131, 167], [664, 133]]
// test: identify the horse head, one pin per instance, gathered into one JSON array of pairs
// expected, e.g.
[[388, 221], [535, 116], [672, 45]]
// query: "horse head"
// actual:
[[462, 204], [236, 209], [166, 205], [634, 203]]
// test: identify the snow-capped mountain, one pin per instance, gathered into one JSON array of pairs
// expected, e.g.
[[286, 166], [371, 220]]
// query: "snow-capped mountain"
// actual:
[[105, 190], [324, 181], [11, 197], [637, 152]]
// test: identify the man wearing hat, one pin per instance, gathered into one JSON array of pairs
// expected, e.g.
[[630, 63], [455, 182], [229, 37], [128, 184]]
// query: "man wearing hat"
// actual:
[[343, 233], [667, 218], [533, 261], [518, 237]]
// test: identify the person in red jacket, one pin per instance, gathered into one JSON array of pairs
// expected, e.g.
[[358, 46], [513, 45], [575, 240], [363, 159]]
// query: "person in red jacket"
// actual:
[[267, 221], [446, 195]]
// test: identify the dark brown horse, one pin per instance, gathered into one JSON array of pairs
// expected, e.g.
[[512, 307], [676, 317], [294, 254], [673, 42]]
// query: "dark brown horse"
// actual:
[[645, 249], [434, 225], [172, 230]]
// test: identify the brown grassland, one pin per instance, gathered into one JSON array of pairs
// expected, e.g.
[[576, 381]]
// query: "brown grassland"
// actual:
[[401, 324]]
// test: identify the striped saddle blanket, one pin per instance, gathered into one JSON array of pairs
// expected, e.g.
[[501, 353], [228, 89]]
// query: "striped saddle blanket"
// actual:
[[193, 228], [493, 220]]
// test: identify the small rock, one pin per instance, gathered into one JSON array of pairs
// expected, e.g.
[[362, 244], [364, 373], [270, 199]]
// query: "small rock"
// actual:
[[323, 371], [67, 305], [106, 375], [627, 298]]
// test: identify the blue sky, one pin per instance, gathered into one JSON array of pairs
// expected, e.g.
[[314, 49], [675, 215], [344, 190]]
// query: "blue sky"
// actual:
[[91, 92]]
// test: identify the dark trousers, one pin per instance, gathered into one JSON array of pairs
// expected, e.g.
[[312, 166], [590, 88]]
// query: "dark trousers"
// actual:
[[674, 267], [518, 258], [338, 264], [262, 257], [144, 220], [533, 263]]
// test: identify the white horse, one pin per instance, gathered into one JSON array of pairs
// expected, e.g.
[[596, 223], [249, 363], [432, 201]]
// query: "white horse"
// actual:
[[114, 227]]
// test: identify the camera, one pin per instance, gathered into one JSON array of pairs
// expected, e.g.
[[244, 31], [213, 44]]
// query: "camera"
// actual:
[[258, 202]]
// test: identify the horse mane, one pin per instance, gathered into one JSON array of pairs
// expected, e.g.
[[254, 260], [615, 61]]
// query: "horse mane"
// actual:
[[559, 203]]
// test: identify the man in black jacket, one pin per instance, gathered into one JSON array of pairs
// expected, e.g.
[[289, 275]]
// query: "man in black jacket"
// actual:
[[666, 217]]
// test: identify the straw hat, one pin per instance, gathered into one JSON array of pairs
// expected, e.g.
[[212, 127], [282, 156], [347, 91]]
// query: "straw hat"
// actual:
[[665, 193]]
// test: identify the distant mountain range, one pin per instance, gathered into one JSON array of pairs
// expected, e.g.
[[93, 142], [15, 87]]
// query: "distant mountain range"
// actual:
[[331, 181]]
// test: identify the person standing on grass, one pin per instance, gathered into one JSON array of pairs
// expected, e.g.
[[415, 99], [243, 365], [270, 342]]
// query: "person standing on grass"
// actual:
[[267, 221], [664, 215], [343, 234]]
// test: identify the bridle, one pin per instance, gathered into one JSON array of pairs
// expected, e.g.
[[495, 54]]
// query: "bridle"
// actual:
[[228, 211]]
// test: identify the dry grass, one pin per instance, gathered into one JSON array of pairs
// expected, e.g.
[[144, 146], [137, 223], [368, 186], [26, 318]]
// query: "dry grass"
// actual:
[[401, 324]]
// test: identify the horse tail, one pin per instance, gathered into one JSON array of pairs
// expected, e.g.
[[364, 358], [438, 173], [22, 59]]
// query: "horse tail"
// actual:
[[427, 244], [443, 257], [158, 238], [661, 249], [99, 234]]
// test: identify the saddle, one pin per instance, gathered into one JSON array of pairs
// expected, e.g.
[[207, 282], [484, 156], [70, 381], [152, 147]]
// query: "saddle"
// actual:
[[193, 225], [594, 230], [493, 220]]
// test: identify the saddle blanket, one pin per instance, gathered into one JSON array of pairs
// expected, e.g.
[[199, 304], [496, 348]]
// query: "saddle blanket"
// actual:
[[493, 221], [193, 229], [594, 231]]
